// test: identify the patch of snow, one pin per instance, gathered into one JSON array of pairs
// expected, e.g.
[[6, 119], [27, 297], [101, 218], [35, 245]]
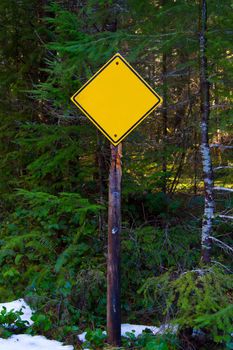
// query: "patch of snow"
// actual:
[[29, 342], [138, 329], [26, 341], [16, 305], [82, 336]]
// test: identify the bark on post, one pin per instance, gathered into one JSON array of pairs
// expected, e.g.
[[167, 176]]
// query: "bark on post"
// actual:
[[205, 148], [114, 229], [101, 171]]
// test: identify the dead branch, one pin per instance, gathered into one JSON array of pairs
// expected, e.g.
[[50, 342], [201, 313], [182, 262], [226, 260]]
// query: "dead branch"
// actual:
[[224, 246], [223, 167], [218, 188], [219, 145], [228, 217]]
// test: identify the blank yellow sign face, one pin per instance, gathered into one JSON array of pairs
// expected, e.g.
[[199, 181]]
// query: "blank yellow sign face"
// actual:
[[116, 99]]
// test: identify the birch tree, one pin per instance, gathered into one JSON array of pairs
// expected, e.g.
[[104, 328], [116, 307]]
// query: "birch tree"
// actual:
[[205, 148]]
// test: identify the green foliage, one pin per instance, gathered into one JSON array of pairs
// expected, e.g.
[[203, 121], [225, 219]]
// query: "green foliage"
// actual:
[[149, 250], [54, 155], [95, 339], [149, 341], [46, 250], [79, 44], [41, 323], [11, 322], [200, 298]]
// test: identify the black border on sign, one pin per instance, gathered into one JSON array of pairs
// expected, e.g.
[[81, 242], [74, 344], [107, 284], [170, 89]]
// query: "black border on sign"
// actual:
[[116, 142]]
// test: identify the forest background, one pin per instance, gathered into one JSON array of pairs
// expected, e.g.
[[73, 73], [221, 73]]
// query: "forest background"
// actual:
[[55, 165]]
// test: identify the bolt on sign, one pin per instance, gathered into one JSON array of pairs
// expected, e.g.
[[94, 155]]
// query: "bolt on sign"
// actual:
[[116, 99]]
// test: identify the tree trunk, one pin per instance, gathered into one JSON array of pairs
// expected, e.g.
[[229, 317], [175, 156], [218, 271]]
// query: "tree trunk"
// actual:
[[205, 148], [114, 229]]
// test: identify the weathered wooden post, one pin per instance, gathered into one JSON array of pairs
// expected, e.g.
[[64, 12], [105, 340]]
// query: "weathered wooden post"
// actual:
[[114, 229]]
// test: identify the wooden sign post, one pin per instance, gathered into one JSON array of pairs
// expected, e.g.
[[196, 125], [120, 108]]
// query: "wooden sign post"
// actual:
[[116, 99], [114, 229]]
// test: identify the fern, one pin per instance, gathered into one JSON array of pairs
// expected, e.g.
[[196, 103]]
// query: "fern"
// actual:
[[45, 248]]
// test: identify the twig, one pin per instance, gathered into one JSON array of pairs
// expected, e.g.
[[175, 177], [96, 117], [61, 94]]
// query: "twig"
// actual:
[[223, 167], [218, 188], [219, 145], [222, 245], [218, 263], [226, 217]]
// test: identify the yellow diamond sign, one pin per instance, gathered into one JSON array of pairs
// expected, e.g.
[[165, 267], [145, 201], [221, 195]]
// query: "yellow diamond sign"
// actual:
[[116, 99]]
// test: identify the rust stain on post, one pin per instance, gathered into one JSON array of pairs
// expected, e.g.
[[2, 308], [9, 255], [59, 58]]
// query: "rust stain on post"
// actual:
[[114, 229]]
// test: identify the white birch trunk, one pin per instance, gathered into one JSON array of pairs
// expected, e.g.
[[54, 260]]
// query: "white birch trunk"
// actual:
[[205, 148]]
